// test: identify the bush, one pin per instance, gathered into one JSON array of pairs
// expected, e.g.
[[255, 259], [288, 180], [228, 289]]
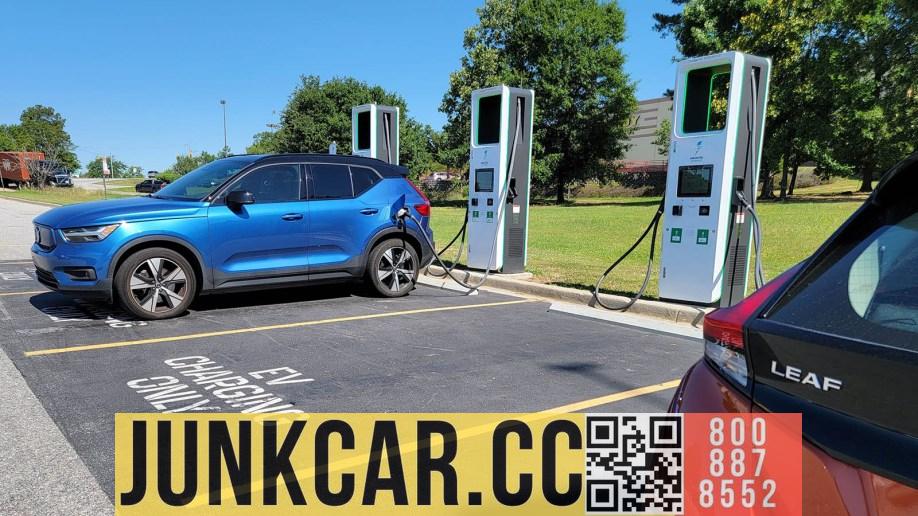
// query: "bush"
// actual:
[[596, 189], [168, 176], [442, 189], [651, 179]]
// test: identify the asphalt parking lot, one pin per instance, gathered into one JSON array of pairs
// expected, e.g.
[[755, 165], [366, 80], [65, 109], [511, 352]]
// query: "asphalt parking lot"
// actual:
[[326, 349]]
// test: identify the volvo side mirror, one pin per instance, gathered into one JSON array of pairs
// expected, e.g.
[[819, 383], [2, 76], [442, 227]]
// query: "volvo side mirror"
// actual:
[[239, 198]]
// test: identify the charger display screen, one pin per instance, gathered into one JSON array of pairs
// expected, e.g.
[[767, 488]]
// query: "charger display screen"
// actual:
[[695, 180], [484, 180]]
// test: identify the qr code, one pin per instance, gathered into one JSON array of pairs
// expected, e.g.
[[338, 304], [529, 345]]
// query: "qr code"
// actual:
[[634, 464]]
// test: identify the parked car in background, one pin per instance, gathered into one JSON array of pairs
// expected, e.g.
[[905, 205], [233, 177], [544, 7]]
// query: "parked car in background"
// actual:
[[242, 222], [60, 178], [836, 339], [150, 185]]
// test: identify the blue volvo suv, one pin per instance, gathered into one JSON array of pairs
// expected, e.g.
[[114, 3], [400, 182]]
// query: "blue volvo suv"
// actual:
[[242, 222]]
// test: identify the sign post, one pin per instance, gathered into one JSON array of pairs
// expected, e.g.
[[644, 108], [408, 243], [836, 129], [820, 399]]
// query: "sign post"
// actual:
[[105, 173]]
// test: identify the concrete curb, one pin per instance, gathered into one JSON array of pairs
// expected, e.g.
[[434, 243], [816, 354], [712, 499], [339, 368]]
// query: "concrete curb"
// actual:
[[672, 312], [636, 321]]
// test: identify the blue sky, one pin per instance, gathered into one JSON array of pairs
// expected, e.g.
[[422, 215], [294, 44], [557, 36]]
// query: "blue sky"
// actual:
[[143, 80]]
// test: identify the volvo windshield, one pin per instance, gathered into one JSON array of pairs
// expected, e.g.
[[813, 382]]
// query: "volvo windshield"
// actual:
[[204, 180]]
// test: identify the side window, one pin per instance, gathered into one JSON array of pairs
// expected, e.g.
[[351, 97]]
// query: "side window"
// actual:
[[867, 291], [272, 183], [330, 182], [364, 179]]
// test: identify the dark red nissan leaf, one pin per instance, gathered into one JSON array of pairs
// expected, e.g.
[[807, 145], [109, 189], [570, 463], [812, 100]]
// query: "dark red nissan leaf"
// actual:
[[836, 339]]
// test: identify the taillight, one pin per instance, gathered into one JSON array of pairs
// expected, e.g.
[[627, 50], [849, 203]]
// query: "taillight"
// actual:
[[424, 208], [724, 335]]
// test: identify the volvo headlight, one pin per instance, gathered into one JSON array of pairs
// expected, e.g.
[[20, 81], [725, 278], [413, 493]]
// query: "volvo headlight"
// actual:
[[88, 234]]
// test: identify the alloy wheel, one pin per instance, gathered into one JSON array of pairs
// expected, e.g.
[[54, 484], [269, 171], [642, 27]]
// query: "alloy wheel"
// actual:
[[158, 285], [395, 269]]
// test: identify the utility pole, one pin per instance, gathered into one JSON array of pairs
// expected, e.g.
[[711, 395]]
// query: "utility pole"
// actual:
[[223, 103]]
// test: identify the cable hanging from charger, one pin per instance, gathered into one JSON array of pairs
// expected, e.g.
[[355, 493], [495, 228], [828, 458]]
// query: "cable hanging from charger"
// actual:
[[405, 213], [750, 206], [652, 227]]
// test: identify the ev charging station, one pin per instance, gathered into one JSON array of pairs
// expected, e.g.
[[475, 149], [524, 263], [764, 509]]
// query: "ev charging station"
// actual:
[[715, 153], [499, 173], [374, 132]]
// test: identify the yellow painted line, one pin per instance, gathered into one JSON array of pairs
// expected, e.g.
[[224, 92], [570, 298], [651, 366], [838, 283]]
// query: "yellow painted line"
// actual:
[[302, 324], [2, 294], [612, 398]]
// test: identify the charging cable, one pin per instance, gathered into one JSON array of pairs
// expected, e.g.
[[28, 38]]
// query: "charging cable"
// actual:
[[652, 227], [756, 239], [462, 234], [740, 196], [405, 213], [750, 206]]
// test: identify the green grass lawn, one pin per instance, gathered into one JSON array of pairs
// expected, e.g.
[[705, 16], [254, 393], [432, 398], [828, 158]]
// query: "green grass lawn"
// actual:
[[59, 195], [128, 181], [572, 245]]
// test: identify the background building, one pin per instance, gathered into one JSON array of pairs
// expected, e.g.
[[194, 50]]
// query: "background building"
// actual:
[[650, 114]]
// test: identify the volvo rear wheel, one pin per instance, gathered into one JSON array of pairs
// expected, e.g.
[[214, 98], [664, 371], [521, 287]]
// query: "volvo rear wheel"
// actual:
[[393, 268]]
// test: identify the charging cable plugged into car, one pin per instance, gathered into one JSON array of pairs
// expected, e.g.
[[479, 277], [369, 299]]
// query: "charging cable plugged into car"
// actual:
[[503, 238]]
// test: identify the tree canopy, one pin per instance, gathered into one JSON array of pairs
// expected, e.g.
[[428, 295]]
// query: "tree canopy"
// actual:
[[568, 52], [319, 113], [117, 167], [843, 77], [41, 129], [185, 163]]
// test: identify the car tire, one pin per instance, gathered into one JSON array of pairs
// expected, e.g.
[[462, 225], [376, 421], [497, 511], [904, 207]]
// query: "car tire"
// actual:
[[392, 269], [155, 283]]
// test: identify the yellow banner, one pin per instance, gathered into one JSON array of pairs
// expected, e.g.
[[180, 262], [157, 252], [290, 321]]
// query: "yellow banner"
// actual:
[[349, 464]]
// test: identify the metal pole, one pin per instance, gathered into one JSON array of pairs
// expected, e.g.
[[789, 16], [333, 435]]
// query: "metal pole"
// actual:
[[223, 103], [111, 165]]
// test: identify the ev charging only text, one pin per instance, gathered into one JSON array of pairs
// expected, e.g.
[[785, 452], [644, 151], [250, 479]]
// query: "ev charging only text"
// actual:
[[200, 384]]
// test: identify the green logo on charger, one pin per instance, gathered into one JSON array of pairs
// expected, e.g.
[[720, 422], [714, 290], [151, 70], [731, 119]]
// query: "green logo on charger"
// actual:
[[702, 238], [676, 236]]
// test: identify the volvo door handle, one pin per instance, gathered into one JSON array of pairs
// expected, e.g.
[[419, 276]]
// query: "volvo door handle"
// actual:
[[293, 216], [369, 211]]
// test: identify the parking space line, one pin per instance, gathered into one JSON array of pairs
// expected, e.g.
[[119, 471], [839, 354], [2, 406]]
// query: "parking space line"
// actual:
[[301, 324], [26, 293], [612, 398]]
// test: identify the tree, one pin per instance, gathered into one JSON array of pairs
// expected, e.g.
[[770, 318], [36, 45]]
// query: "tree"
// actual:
[[134, 171], [186, 163], [264, 142], [10, 138], [567, 51], [319, 113], [117, 168], [417, 148], [840, 77], [872, 50], [662, 137], [41, 129]]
